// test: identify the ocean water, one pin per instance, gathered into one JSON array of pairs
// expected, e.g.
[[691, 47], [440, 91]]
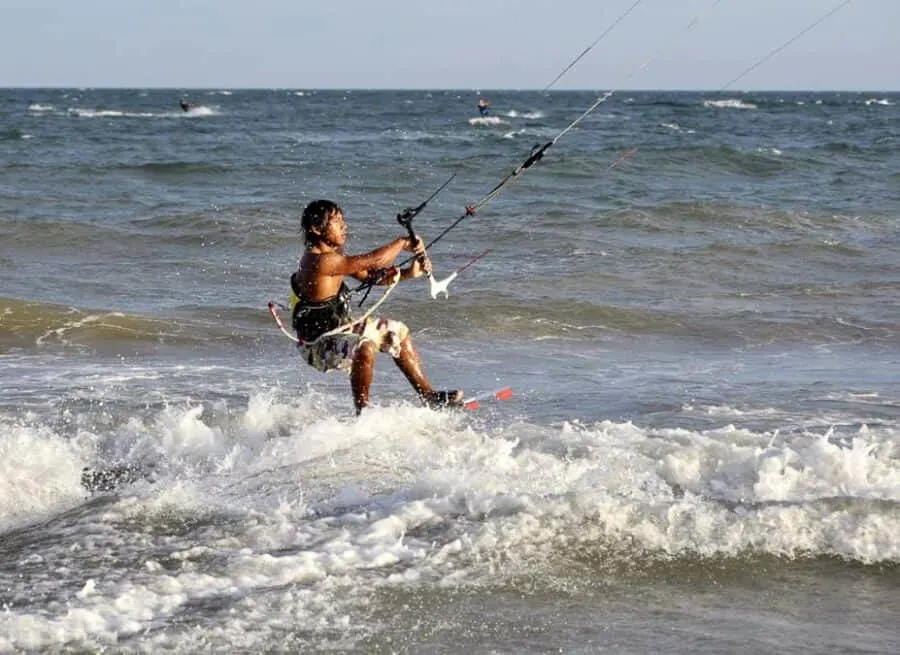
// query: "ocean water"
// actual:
[[702, 450]]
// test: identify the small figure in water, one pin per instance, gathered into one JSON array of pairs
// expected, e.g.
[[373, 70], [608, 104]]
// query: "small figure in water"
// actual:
[[329, 338], [185, 105], [483, 104]]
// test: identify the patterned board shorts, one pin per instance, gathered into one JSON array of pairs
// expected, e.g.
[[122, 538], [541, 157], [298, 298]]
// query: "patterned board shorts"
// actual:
[[334, 352]]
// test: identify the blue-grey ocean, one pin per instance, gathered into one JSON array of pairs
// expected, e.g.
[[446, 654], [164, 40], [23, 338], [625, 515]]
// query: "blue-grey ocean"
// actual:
[[694, 296]]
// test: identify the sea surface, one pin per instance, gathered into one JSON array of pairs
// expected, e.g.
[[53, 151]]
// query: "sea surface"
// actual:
[[694, 296]]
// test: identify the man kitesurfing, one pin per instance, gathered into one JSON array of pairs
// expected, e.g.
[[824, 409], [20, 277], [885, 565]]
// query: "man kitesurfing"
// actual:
[[328, 338]]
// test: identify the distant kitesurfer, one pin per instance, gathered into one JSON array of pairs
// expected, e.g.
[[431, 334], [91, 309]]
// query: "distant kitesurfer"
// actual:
[[483, 104], [320, 307], [185, 105]]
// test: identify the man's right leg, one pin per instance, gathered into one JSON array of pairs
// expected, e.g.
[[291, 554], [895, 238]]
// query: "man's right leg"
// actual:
[[361, 374]]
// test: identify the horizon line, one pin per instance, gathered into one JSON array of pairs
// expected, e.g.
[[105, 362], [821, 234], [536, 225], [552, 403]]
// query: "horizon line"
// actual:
[[441, 89]]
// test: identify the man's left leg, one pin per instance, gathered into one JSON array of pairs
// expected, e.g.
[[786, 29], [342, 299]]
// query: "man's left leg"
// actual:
[[409, 362]]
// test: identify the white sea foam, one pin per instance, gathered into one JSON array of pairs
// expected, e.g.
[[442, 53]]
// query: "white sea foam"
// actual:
[[102, 113], [675, 127], [39, 471], [193, 112], [60, 334], [486, 120], [770, 150], [300, 513], [200, 110], [731, 103]]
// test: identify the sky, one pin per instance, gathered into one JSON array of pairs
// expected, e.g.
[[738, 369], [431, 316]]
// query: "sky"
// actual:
[[444, 44]]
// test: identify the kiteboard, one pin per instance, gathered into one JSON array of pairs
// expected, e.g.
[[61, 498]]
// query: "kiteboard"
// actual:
[[475, 402]]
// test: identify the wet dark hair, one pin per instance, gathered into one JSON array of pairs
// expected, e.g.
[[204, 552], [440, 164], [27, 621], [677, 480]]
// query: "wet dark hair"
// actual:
[[316, 215]]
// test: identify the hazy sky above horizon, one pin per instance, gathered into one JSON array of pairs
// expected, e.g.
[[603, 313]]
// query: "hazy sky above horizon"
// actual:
[[477, 44]]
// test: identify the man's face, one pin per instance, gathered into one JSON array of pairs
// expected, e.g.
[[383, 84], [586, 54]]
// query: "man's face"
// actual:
[[335, 230]]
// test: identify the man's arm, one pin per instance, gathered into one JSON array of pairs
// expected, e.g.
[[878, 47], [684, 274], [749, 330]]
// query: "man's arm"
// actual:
[[361, 266], [419, 266], [414, 270]]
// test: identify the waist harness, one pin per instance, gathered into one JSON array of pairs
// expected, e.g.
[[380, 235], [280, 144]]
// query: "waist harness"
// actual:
[[312, 319]]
